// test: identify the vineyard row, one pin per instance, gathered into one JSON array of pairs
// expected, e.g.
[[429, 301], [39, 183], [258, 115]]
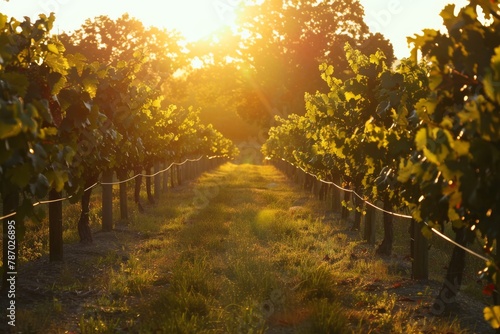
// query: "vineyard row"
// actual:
[[421, 136]]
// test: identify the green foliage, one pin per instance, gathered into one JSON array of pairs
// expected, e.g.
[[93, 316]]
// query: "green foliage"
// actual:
[[457, 168], [284, 43], [421, 136], [359, 129], [458, 141], [70, 109], [31, 70]]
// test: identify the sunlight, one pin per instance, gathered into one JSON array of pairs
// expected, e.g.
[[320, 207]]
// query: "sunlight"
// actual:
[[196, 19], [192, 18]]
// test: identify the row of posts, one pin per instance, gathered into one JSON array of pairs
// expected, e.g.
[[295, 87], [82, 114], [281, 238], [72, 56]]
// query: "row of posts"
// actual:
[[418, 243], [11, 202], [183, 172], [178, 172]]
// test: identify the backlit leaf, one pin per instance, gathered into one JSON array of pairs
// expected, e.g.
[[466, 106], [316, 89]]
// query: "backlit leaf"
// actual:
[[53, 48], [421, 139], [492, 315]]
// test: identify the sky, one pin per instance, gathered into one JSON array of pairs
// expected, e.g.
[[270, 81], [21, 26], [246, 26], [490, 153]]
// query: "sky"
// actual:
[[395, 19]]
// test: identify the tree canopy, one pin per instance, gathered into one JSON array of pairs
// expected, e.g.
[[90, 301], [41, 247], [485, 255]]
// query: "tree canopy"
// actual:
[[285, 42]]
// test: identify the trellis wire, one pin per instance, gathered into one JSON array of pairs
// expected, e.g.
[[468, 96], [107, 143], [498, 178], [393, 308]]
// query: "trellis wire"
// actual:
[[438, 233], [112, 183]]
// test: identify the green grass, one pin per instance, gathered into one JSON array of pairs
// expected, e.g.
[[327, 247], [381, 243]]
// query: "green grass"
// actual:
[[240, 250]]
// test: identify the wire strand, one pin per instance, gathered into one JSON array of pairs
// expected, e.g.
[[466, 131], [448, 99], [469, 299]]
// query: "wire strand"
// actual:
[[445, 237], [438, 233], [113, 183], [151, 175]]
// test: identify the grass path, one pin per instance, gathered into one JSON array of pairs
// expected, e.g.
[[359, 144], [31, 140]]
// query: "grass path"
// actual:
[[240, 250]]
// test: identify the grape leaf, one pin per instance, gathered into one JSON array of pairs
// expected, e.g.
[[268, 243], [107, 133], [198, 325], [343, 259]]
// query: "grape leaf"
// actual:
[[492, 315]]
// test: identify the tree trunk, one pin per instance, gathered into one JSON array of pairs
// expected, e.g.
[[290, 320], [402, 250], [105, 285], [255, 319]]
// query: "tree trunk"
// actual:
[[122, 175], [385, 248], [55, 227], [84, 230], [137, 190], [446, 298], [10, 204]]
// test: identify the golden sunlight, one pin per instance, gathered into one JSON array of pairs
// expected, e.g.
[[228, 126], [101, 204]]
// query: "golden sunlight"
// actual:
[[192, 18]]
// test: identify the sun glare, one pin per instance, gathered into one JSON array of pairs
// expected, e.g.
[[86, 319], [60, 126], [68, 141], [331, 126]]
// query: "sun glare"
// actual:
[[192, 18], [196, 19]]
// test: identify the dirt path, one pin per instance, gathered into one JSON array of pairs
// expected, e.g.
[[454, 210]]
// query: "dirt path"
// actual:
[[240, 250]]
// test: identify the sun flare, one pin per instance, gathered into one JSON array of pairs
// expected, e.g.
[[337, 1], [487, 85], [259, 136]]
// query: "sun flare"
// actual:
[[194, 19]]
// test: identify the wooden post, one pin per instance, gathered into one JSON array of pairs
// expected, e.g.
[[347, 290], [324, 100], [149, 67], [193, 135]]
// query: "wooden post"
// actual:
[[192, 170], [172, 176], [336, 202], [420, 264], [358, 209], [496, 293], [107, 201], [308, 181], [369, 234], [178, 169], [165, 177], [123, 202], [188, 170], [122, 175], [196, 168], [203, 166], [149, 188], [157, 181], [385, 247], [55, 227], [454, 274], [315, 187], [84, 230], [323, 191], [345, 211], [10, 204], [137, 189]]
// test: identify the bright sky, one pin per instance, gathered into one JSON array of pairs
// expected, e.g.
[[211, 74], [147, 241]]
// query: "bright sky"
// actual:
[[396, 19]]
